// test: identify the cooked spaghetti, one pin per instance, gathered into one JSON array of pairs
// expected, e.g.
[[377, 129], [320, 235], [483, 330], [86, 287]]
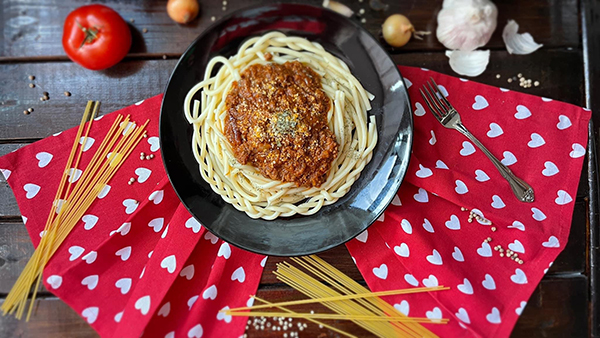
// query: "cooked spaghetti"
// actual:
[[281, 127]]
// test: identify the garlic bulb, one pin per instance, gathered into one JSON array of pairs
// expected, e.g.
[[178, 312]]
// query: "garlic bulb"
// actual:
[[518, 43], [338, 7], [466, 24], [471, 63]]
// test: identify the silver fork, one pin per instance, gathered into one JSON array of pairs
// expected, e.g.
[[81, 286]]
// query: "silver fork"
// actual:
[[449, 118]]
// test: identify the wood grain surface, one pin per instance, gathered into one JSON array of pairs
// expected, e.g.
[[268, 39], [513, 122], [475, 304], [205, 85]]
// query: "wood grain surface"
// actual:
[[30, 44]]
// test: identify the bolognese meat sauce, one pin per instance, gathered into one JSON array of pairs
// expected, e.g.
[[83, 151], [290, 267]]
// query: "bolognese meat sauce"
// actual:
[[277, 122]]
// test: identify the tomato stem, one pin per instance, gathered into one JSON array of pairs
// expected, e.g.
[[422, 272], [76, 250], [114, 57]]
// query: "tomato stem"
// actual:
[[91, 34]]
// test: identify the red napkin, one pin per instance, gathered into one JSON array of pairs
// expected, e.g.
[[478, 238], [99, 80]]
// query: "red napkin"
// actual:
[[138, 264], [424, 239]]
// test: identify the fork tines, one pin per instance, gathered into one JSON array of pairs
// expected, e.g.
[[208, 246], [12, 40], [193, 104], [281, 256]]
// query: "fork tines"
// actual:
[[435, 100]]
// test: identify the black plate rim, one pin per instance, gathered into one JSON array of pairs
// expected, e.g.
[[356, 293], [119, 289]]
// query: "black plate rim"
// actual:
[[409, 140]]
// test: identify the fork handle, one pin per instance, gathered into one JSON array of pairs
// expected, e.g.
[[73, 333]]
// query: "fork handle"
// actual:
[[521, 189]]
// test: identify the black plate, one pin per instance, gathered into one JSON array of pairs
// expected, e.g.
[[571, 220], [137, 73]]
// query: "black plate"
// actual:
[[370, 194]]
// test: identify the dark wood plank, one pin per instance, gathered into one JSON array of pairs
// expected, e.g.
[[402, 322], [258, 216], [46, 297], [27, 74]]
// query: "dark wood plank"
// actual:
[[34, 28], [558, 308], [132, 81]]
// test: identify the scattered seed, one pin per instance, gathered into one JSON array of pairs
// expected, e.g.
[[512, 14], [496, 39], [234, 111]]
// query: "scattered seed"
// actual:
[[145, 30], [224, 8], [30, 110], [501, 254], [142, 154], [132, 20], [31, 85], [495, 248], [67, 93], [147, 157], [536, 83], [152, 156], [31, 77], [145, 135], [494, 229], [26, 112], [463, 209], [520, 75], [509, 80], [42, 99], [361, 11], [363, 20], [130, 183], [45, 93], [212, 18], [164, 57], [497, 76], [520, 261], [224, 3]]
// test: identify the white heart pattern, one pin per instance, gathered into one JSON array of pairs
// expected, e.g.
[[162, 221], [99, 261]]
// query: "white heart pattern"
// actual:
[[396, 201], [156, 196], [381, 272], [423, 172], [143, 304], [403, 307], [104, 191], [427, 226], [489, 282], [453, 223], [431, 281], [578, 150], [363, 236], [467, 148], [223, 316], [130, 205], [495, 130], [187, 272], [519, 277], [517, 225], [407, 82], [90, 257], [74, 175], [90, 314], [43, 158], [169, 263], [210, 292], [421, 196], [89, 221], [436, 313], [516, 246], [402, 250], [154, 143], [550, 169], [552, 242], [519, 310], [410, 279], [435, 258], [465, 287], [563, 122], [485, 250], [522, 112], [75, 252], [443, 90], [497, 202], [563, 198], [224, 250], [193, 224], [406, 226], [89, 142], [6, 173], [480, 103], [196, 331], [164, 310], [481, 176], [124, 285], [538, 215], [432, 140], [419, 110], [124, 253], [239, 274], [494, 316], [463, 316], [461, 187], [457, 255], [31, 190], [157, 224], [536, 141], [508, 159], [123, 229], [55, 281], [210, 237], [439, 164], [192, 301], [143, 174]]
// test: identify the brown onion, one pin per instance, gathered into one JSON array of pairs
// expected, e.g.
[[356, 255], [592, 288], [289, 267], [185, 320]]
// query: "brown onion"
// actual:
[[397, 30], [183, 11]]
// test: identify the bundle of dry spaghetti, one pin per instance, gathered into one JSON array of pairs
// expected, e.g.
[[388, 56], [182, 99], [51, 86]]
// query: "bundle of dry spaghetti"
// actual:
[[348, 299], [73, 198]]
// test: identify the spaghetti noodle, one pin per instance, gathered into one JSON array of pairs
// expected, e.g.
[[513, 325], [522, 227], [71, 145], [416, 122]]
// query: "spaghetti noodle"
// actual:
[[243, 186]]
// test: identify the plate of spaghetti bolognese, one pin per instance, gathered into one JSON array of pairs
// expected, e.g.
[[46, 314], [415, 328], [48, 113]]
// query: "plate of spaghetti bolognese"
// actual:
[[286, 129]]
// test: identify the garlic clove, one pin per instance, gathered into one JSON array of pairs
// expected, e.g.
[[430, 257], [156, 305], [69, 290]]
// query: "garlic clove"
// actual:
[[516, 43], [471, 63], [338, 7], [466, 24]]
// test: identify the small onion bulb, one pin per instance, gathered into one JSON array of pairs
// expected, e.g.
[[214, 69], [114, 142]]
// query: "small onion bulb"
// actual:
[[397, 30], [183, 11]]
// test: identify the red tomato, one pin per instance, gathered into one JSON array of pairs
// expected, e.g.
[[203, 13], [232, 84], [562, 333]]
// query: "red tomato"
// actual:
[[96, 37]]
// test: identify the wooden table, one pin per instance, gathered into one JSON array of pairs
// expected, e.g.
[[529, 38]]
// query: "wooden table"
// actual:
[[567, 67]]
